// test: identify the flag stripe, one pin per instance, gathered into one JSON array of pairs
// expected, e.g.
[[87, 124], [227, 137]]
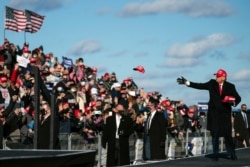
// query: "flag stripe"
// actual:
[[34, 21], [15, 19]]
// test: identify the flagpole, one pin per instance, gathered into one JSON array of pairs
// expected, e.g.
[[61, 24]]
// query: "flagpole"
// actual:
[[4, 23], [24, 36]]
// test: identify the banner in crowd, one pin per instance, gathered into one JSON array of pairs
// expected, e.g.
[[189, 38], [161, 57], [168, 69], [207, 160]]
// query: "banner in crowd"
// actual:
[[202, 106], [18, 20], [67, 61]]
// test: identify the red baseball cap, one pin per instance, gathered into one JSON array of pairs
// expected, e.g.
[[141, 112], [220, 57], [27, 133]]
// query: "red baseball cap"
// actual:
[[221, 73], [139, 68], [228, 99], [3, 79], [191, 110]]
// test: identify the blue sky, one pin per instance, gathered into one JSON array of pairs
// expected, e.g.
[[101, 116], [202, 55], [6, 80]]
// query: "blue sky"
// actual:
[[170, 38]]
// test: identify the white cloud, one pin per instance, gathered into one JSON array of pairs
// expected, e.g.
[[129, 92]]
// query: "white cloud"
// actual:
[[193, 8], [241, 75], [201, 46], [85, 47], [104, 10], [184, 62], [119, 53], [38, 5]]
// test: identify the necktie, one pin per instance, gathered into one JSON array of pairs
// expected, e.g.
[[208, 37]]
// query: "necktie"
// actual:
[[118, 120], [245, 119], [148, 122], [220, 88]]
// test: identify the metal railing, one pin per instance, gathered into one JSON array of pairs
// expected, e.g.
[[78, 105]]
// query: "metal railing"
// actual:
[[190, 144]]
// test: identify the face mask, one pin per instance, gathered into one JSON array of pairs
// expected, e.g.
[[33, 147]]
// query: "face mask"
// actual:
[[120, 111], [73, 90], [42, 111], [66, 110], [65, 80], [57, 75], [25, 55], [244, 110]]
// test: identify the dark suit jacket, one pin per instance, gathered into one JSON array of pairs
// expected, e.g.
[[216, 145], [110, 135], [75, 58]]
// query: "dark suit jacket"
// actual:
[[219, 113], [157, 134], [240, 127], [44, 134], [109, 136]]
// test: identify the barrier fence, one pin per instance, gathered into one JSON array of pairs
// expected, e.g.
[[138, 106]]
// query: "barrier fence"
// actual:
[[189, 144]]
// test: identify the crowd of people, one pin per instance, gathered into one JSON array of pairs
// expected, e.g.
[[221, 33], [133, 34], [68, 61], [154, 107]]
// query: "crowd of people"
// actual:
[[85, 103]]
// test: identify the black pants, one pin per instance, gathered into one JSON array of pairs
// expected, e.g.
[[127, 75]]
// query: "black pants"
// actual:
[[229, 143], [117, 152]]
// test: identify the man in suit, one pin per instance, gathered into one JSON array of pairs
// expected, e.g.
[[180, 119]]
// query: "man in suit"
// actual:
[[115, 136], [223, 96], [242, 127], [154, 133], [44, 128]]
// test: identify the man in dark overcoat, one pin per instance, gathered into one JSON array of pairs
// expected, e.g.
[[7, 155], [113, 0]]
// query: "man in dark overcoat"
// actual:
[[44, 129], [222, 96], [115, 136], [155, 133]]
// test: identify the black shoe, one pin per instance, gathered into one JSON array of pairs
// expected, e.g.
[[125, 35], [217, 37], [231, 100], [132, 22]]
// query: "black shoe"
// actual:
[[215, 158], [233, 157]]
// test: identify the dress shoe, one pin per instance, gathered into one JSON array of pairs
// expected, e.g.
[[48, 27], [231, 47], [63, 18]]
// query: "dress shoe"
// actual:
[[233, 157], [215, 158]]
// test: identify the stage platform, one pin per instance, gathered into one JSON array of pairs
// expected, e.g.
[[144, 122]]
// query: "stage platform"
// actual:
[[204, 161], [47, 158]]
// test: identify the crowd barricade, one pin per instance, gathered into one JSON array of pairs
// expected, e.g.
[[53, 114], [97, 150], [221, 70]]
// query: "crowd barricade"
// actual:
[[190, 144]]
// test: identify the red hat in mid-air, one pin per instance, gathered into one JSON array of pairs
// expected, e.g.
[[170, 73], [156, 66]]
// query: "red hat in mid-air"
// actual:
[[139, 68]]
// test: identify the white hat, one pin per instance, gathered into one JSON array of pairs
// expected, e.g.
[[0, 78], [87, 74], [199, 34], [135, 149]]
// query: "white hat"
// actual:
[[132, 93], [115, 85], [94, 91]]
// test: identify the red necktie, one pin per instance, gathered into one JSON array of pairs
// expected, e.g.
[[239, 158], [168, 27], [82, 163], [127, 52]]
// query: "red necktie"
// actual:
[[220, 89]]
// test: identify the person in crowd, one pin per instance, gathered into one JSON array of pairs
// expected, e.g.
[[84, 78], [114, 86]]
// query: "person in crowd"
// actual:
[[174, 129], [130, 83], [113, 79], [139, 133], [242, 127], [115, 92], [10, 119], [64, 117], [155, 133], [44, 128], [138, 104], [115, 137], [223, 95], [27, 129], [191, 122], [123, 98], [182, 108], [105, 80], [5, 91], [2, 122]]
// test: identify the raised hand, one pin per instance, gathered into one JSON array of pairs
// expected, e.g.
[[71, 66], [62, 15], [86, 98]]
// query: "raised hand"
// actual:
[[181, 80]]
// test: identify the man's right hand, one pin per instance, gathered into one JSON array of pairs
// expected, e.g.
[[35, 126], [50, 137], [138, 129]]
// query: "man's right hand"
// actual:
[[181, 80]]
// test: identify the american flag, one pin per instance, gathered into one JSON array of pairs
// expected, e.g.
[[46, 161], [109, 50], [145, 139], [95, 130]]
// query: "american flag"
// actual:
[[34, 21], [15, 20]]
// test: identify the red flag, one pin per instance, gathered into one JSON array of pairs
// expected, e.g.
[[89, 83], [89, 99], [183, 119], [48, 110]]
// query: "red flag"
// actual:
[[34, 21], [15, 20]]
